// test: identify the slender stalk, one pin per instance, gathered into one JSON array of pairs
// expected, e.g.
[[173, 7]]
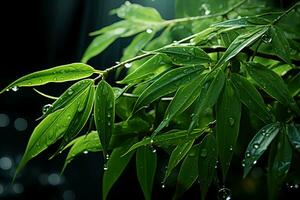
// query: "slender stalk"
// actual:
[[286, 12]]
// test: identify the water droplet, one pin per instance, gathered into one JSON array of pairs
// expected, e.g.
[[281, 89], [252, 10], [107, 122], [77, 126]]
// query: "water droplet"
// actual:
[[105, 167], [85, 152], [254, 162], [149, 30], [46, 108], [151, 141], [70, 92], [248, 154], [255, 145], [108, 115], [231, 121], [266, 39], [153, 150], [203, 153], [296, 186], [230, 149], [204, 9], [224, 194], [15, 88], [107, 156], [243, 163], [163, 186], [128, 65], [117, 62]]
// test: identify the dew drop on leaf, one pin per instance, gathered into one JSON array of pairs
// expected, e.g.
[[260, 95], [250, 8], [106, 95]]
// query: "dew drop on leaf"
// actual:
[[255, 145], [70, 92], [46, 108], [266, 39], [231, 121], [85, 152], [224, 194], [149, 30], [15, 88], [254, 162], [128, 65], [105, 168]]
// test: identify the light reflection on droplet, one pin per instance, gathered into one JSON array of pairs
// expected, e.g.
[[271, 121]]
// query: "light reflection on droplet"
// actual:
[[20, 124], [4, 120], [128, 65]]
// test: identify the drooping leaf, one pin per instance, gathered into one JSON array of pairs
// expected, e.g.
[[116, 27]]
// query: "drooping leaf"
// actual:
[[272, 84], [167, 84], [280, 44], [208, 97], [53, 127], [177, 155], [58, 74], [259, 144], [164, 39], [280, 158], [228, 114], [207, 163], [293, 132], [241, 22], [104, 113], [240, 43], [146, 162], [188, 173], [114, 168], [186, 55], [251, 98], [150, 67]]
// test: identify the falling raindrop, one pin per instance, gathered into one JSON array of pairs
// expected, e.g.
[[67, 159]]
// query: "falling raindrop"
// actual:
[[224, 194], [15, 88], [149, 30], [46, 108], [128, 65]]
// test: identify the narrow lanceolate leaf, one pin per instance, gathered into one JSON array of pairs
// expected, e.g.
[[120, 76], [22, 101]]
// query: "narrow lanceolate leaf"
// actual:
[[167, 84], [146, 162], [272, 84], [207, 163], [83, 144], [173, 137], [147, 69], [280, 44], [293, 85], [240, 43], [259, 144], [280, 158], [186, 55], [241, 22], [251, 98], [177, 155], [53, 127], [58, 74], [104, 113], [228, 122], [183, 98], [293, 132], [188, 173], [115, 166], [137, 44], [208, 96]]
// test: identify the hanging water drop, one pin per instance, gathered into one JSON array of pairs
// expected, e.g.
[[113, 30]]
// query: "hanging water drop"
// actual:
[[128, 65], [254, 162], [85, 152], [46, 108], [163, 186], [149, 30], [204, 9], [15, 88], [105, 167], [266, 39], [231, 121], [70, 92], [224, 194], [248, 154]]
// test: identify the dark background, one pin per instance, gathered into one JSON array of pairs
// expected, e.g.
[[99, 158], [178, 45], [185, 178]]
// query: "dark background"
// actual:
[[37, 35]]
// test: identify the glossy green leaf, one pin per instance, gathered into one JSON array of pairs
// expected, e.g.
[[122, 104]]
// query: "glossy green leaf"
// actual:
[[114, 168], [137, 44], [279, 164], [120, 25], [146, 162], [228, 114], [293, 85], [207, 163], [148, 68], [104, 113], [241, 42], [177, 155], [53, 127], [293, 132], [251, 98], [186, 55], [138, 13], [208, 96], [183, 98], [280, 44], [272, 84], [167, 84], [241, 22], [163, 39], [188, 173], [58, 74], [259, 144]]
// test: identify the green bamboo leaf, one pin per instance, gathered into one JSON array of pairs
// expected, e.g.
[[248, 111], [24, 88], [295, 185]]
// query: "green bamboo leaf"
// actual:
[[186, 55], [169, 138], [293, 85], [241, 22], [183, 98], [177, 155], [146, 162], [228, 109], [53, 127], [164, 39], [123, 24], [251, 98], [104, 113], [148, 68], [279, 164], [293, 132], [241, 42], [167, 83], [58, 74], [114, 168], [272, 84], [207, 163], [208, 96], [280, 44], [259, 144], [137, 44], [137, 13], [188, 173]]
